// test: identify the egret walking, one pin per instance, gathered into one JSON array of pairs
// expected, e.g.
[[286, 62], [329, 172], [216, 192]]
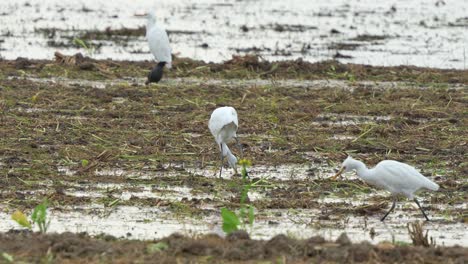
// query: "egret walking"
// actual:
[[396, 177], [223, 125], [159, 46]]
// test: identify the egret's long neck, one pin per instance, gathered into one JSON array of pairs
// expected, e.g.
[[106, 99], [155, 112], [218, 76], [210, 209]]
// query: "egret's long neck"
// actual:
[[150, 23], [361, 170], [226, 150], [232, 160]]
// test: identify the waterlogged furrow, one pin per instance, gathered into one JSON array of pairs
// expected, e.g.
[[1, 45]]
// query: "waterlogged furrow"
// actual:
[[152, 223], [283, 172], [123, 192], [239, 83]]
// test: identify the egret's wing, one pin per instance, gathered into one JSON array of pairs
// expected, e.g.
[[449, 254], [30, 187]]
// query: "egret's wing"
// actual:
[[215, 125], [234, 117], [229, 115], [221, 117], [400, 176], [159, 44]]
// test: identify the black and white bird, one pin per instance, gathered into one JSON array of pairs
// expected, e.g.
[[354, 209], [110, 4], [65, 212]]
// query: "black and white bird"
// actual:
[[223, 126], [159, 45]]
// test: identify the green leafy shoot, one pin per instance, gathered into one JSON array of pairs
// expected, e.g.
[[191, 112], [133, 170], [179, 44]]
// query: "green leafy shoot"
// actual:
[[84, 163], [246, 215], [156, 247], [251, 215], [81, 43], [8, 258], [231, 222], [39, 216]]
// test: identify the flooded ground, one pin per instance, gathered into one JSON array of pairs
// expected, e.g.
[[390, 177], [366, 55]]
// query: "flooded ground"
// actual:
[[147, 206], [118, 159], [426, 33]]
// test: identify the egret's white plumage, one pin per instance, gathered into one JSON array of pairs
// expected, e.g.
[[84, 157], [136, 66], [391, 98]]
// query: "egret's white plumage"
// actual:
[[397, 177], [223, 126], [158, 41]]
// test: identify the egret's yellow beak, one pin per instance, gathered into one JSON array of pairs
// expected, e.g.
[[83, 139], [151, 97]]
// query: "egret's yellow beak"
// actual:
[[338, 173]]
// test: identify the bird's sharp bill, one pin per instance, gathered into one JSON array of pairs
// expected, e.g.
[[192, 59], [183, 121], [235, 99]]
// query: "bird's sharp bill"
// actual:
[[338, 173]]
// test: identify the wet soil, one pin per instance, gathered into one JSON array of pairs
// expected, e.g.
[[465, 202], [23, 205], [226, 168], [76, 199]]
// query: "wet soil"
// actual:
[[237, 247], [73, 124], [129, 125]]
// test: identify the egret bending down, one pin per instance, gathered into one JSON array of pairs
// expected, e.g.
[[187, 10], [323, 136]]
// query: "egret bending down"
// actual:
[[396, 177], [223, 125], [159, 46]]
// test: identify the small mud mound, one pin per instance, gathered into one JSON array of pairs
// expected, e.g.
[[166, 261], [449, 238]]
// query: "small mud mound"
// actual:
[[62, 246], [84, 63], [74, 248]]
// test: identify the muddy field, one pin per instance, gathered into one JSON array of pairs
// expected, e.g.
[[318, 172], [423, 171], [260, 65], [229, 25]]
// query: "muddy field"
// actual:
[[130, 165]]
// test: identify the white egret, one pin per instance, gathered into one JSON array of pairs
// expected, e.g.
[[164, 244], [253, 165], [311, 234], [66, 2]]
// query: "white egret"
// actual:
[[396, 177], [159, 45], [223, 125]]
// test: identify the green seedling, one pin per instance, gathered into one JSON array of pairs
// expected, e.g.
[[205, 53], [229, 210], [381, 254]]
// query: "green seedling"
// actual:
[[156, 247], [231, 222], [81, 43], [38, 217], [8, 258], [345, 75], [84, 163], [246, 215]]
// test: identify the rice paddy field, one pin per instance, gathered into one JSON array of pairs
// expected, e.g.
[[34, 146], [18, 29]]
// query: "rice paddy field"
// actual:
[[130, 171]]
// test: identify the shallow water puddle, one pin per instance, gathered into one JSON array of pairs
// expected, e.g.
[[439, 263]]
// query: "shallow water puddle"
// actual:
[[343, 137], [121, 191], [133, 174], [282, 172], [305, 223], [332, 119], [238, 83], [153, 223], [279, 172], [122, 221], [346, 120]]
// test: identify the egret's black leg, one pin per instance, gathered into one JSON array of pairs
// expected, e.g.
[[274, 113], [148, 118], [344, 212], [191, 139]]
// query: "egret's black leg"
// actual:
[[221, 168], [391, 209], [416, 201], [240, 147], [156, 74]]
